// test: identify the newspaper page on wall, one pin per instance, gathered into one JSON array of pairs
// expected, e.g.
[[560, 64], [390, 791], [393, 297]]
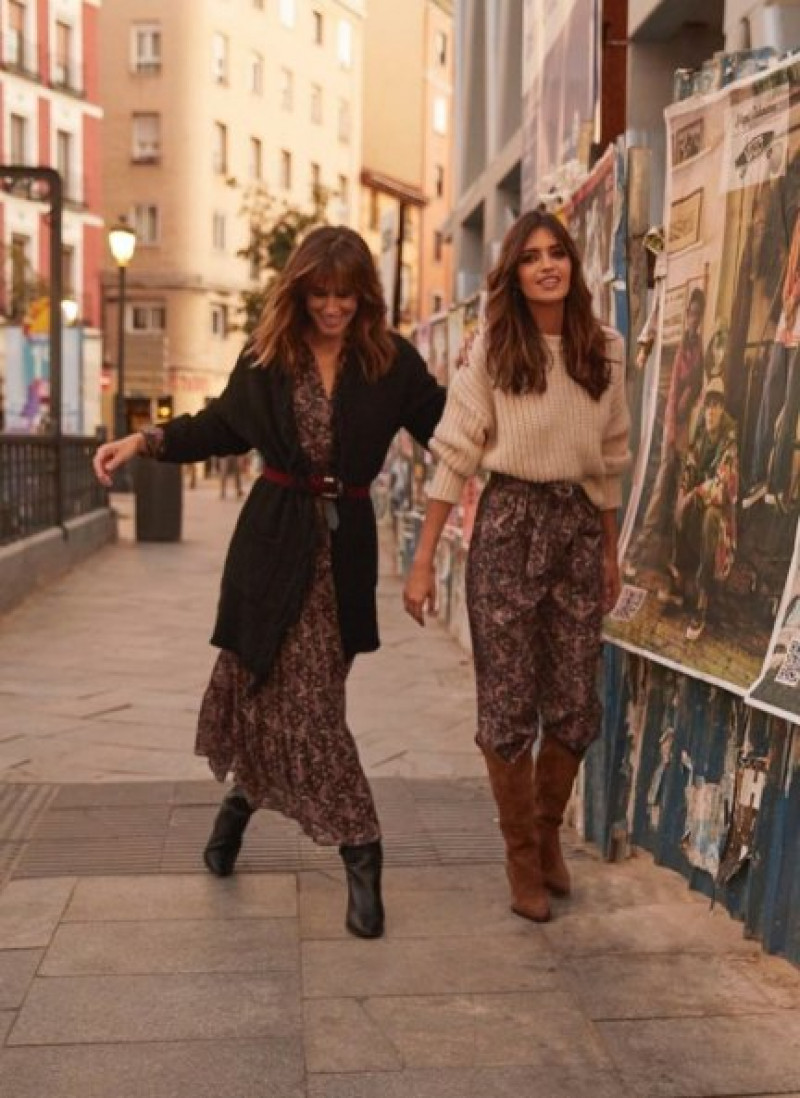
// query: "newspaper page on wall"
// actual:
[[717, 499]]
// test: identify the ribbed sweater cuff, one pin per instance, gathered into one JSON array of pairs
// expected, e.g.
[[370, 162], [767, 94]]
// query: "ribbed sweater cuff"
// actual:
[[446, 484]]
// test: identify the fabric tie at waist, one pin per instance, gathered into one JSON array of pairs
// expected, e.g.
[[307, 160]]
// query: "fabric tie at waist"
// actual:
[[318, 484]]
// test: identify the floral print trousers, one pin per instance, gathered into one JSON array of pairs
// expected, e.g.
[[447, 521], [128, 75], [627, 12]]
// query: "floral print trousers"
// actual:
[[534, 597]]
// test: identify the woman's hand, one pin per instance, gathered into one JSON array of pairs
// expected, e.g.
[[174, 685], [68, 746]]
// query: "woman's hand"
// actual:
[[111, 455], [611, 582], [420, 591]]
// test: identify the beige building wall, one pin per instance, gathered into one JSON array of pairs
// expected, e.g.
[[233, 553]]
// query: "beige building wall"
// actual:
[[285, 73], [401, 147], [436, 261]]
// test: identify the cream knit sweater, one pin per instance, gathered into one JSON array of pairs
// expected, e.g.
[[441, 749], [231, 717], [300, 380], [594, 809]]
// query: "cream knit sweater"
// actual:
[[561, 434]]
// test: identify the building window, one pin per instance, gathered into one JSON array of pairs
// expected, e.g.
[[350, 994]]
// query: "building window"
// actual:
[[440, 47], [220, 151], [147, 316], [219, 59], [287, 89], [440, 114], [438, 247], [61, 68], [15, 44], [374, 210], [315, 175], [437, 303], [146, 47], [219, 321], [256, 159], [439, 181], [18, 139], [344, 121], [286, 170], [67, 271], [20, 267], [344, 44], [256, 74], [146, 222], [344, 196], [218, 232], [146, 138], [318, 27], [316, 104], [65, 161], [287, 12]]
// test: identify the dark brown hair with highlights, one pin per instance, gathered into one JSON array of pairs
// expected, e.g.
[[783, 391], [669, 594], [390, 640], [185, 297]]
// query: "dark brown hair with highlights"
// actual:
[[517, 356], [335, 258]]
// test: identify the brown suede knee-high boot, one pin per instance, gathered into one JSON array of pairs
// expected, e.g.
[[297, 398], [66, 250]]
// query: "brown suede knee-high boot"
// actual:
[[512, 786], [556, 768]]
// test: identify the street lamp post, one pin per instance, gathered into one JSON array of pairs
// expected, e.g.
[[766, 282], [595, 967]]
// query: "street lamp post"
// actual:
[[122, 244]]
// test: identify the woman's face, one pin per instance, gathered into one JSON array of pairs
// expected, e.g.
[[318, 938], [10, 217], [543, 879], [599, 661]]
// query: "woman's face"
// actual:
[[544, 271], [330, 312]]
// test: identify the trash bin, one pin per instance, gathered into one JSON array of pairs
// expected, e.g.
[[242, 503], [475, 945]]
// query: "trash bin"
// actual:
[[158, 487]]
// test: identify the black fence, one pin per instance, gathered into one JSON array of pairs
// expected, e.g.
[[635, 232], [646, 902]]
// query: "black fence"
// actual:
[[32, 468]]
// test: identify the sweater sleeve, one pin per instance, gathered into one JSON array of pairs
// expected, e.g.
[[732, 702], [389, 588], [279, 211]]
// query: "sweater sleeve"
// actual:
[[424, 397], [211, 431], [468, 420], [616, 440]]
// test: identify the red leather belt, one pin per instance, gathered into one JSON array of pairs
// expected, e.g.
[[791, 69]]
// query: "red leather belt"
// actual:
[[327, 487]]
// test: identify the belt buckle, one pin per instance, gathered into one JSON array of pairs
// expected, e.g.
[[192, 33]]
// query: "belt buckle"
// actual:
[[563, 490], [331, 487]]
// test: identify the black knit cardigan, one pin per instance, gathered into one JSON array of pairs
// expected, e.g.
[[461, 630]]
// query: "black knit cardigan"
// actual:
[[270, 560]]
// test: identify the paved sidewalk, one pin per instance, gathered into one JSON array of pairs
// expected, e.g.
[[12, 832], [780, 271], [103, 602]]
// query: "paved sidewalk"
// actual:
[[127, 972]]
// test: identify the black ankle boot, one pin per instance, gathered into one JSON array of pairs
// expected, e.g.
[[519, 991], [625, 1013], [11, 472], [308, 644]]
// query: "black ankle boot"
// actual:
[[364, 904], [225, 840]]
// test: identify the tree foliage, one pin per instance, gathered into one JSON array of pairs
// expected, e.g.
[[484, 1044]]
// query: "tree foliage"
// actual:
[[276, 227]]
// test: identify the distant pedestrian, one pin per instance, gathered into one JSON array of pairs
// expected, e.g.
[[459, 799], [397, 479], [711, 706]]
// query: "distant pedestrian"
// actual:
[[319, 392], [230, 468], [541, 406]]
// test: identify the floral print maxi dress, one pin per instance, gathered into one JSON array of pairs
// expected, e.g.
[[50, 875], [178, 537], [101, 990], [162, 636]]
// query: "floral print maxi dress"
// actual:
[[287, 745]]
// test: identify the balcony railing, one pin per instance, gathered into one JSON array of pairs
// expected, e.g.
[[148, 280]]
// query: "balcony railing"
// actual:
[[29, 484], [67, 76], [22, 56]]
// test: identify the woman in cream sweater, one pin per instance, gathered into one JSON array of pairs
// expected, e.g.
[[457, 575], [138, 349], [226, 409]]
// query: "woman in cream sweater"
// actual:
[[540, 404]]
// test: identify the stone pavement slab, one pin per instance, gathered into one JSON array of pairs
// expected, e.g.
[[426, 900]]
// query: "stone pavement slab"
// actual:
[[494, 1083], [242, 896], [174, 1007], [30, 912], [267, 1068], [17, 969], [169, 946], [684, 1057], [437, 966]]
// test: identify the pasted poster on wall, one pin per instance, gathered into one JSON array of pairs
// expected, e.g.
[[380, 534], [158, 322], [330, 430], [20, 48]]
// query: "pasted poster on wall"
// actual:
[[718, 497], [591, 215], [560, 88]]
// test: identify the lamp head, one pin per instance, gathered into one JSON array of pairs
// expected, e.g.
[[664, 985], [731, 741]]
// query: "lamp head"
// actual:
[[122, 242]]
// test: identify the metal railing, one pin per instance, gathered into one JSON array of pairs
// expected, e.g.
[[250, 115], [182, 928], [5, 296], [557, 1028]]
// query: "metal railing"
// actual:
[[29, 483]]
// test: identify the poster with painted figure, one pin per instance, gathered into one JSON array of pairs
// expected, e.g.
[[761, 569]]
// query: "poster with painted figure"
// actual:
[[591, 216], [714, 507]]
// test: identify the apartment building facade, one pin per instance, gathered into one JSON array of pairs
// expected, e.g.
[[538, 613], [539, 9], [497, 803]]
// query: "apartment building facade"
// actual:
[[50, 116], [406, 175], [205, 102]]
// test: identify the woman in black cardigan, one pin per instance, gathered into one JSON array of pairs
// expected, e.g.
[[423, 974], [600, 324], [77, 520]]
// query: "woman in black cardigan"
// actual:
[[320, 392]]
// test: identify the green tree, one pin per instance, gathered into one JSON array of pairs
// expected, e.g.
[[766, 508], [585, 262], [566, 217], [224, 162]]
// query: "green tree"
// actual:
[[275, 228]]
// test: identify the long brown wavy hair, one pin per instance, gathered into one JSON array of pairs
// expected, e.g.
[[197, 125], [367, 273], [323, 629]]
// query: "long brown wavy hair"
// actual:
[[517, 356], [337, 259]]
